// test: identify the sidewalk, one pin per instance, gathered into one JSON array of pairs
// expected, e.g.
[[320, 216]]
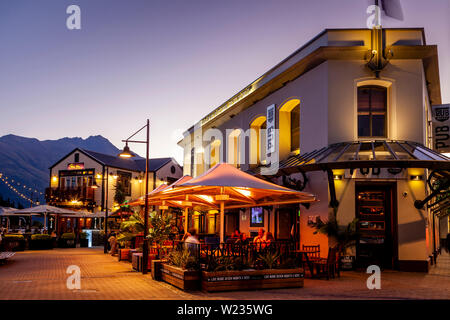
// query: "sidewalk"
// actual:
[[42, 275]]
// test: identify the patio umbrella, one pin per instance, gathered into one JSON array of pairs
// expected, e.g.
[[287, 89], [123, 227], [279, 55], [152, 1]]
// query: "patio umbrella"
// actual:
[[226, 187], [45, 210]]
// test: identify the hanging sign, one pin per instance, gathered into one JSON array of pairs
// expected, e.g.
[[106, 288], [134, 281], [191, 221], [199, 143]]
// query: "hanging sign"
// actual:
[[441, 127], [270, 136]]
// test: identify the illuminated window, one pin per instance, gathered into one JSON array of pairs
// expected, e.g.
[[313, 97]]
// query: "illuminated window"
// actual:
[[295, 128], [234, 148], [258, 141], [215, 152], [372, 111], [289, 128]]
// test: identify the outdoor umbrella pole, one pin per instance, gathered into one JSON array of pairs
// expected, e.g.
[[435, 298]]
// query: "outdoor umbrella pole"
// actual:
[[222, 221]]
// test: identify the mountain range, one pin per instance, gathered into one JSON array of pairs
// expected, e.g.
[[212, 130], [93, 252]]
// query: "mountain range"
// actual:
[[27, 162]]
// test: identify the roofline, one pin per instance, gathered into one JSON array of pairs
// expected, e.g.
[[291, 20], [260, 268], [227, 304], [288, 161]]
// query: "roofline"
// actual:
[[85, 152], [82, 151]]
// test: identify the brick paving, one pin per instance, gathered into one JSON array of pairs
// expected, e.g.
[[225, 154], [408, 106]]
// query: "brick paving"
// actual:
[[42, 275]]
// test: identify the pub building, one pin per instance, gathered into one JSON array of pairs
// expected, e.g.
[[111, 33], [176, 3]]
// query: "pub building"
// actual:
[[347, 118], [88, 181]]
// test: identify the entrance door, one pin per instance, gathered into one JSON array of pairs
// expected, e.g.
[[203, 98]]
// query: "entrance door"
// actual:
[[375, 212], [231, 221], [285, 220]]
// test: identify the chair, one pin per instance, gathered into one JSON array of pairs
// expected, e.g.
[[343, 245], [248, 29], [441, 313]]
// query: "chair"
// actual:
[[313, 252], [327, 266]]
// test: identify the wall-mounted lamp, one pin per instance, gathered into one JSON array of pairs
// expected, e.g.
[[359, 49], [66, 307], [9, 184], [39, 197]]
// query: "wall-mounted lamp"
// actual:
[[416, 178], [54, 178], [337, 177]]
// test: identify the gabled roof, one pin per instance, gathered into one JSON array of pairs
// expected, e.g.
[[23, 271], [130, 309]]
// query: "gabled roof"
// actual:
[[121, 163]]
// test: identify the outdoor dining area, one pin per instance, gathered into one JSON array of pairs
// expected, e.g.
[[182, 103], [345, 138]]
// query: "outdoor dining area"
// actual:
[[42, 227], [219, 261]]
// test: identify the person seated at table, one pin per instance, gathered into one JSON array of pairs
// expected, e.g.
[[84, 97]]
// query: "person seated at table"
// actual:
[[185, 236], [268, 238], [236, 236], [260, 237], [192, 243]]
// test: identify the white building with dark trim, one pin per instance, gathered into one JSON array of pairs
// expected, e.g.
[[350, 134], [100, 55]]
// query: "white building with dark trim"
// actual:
[[346, 117]]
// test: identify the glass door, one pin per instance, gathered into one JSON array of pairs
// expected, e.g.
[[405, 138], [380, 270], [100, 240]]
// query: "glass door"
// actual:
[[374, 213]]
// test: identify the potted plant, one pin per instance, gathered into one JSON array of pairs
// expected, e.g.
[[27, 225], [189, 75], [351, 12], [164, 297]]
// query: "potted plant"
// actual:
[[344, 236], [13, 242], [41, 242], [84, 241], [181, 270], [67, 240], [127, 232], [228, 273]]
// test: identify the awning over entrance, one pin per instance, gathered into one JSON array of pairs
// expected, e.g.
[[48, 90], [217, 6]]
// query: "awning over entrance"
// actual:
[[392, 154], [364, 154]]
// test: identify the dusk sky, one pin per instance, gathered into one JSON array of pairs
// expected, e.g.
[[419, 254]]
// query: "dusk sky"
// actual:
[[172, 61]]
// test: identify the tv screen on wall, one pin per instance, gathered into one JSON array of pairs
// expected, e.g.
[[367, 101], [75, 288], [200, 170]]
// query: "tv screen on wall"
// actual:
[[257, 218]]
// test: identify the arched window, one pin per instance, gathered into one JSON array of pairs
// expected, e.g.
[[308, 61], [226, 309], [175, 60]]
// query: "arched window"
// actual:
[[258, 141], [214, 156], [234, 148], [289, 125], [372, 111]]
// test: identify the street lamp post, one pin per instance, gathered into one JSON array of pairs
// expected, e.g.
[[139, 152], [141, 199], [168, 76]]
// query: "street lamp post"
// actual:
[[127, 154], [95, 186]]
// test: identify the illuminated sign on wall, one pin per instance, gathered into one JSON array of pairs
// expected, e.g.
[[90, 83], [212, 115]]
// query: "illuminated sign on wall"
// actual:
[[441, 127], [75, 166], [270, 136]]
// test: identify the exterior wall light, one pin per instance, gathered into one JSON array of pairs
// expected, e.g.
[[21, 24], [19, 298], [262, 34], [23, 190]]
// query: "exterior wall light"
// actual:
[[337, 177], [416, 178], [54, 178]]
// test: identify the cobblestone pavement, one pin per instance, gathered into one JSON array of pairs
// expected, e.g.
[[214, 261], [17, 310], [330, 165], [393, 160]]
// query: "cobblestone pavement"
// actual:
[[42, 275]]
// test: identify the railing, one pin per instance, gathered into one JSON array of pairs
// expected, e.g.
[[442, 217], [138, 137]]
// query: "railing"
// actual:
[[58, 195]]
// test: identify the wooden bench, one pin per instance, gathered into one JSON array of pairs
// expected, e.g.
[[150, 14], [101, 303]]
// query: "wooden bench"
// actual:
[[5, 256]]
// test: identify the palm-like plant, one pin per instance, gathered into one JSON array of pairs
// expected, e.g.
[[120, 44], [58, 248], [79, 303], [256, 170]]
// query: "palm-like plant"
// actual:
[[131, 227], [345, 236]]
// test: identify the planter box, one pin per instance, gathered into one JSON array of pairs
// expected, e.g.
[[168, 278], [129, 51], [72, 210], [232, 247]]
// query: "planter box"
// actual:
[[252, 279], [156, 269], [41, 244], [136, 261], [13, 244], [180, 278], [84, 243], [66, 243]]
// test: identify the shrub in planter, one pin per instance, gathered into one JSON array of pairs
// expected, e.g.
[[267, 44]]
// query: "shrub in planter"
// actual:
[[181, 270], [13, 242], [67, 240], [41, 242], [84, 241]]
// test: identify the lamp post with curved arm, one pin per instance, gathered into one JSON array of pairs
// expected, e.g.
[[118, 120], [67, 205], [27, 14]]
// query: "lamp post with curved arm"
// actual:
[[126, 153]]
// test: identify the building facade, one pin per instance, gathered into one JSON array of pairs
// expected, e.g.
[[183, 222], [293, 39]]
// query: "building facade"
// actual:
[[92, 181], [345, 117]]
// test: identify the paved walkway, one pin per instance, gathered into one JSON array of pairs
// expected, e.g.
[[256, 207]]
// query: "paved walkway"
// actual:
[[42, 275]]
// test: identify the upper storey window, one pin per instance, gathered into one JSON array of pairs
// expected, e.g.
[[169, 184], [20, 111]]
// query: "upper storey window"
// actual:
[[372, 111]]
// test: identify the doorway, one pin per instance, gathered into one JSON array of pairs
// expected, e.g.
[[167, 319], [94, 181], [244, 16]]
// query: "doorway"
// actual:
[[376, 214], [286, 224]]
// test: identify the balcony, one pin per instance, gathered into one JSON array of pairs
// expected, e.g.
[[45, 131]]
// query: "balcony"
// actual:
[[81, 197]]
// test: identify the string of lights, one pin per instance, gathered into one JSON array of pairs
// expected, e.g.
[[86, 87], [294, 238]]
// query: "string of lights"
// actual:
[[12, 183]]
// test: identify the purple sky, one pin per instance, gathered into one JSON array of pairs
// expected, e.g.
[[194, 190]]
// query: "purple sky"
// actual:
[[170, 60]]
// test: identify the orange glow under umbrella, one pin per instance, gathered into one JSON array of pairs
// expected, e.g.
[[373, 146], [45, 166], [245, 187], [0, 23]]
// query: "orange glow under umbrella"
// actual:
[[226, 187]]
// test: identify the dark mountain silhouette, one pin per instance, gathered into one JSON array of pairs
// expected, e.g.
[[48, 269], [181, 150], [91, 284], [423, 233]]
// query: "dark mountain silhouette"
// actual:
[[26, 160]]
